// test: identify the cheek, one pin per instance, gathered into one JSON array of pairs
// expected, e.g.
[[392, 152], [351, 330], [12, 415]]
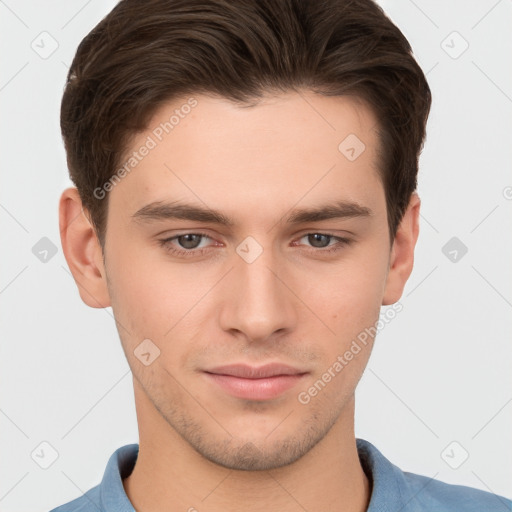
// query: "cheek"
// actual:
[[139, 293], [350, 296], [158, 301]]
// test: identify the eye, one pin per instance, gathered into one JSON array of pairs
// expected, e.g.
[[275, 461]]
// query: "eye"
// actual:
[[190, 240], [321, 241], [189, 243], [318, 240]]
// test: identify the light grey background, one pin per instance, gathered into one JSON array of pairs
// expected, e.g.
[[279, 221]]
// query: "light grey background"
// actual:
[[440, 371]]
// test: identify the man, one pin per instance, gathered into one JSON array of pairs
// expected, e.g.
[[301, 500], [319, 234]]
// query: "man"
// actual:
[[245, 202]]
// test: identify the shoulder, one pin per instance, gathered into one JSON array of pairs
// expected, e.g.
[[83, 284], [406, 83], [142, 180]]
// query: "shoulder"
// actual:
[[88, 502], [393, 489], [109, 494], [431, 494]]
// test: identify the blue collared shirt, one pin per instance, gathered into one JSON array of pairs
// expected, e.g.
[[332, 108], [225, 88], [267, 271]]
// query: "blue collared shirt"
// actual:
[[393, 490]]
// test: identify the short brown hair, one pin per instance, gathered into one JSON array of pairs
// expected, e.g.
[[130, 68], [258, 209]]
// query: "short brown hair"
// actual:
[[143, 54]]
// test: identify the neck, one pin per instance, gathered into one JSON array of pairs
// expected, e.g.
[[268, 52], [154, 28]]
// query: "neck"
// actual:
[[170, 475]]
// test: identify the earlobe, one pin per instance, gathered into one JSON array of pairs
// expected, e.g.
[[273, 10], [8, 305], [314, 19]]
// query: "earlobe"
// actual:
[[402, 252], [82, 250]]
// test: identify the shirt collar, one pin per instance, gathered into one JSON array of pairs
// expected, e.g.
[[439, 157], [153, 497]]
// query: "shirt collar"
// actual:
[[119, 466], [385, 478]]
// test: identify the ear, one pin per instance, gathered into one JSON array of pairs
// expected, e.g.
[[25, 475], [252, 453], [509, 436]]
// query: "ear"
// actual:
[[82, 250], [402, 252]]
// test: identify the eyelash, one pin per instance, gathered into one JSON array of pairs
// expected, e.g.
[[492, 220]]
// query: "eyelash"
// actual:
[[165, 243]]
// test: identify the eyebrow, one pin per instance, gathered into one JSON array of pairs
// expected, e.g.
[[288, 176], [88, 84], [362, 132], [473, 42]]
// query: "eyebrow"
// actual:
[[159, 210]]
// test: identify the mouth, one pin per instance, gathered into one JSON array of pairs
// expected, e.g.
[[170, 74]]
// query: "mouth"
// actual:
[[255, 383]]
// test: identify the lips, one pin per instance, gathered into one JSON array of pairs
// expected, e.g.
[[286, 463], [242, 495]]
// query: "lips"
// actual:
[[255, 383]]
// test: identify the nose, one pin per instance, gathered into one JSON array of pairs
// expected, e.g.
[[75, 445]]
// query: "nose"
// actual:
[[259, 299]]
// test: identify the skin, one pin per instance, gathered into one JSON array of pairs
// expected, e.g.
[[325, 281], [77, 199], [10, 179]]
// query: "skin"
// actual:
[[199, 446]]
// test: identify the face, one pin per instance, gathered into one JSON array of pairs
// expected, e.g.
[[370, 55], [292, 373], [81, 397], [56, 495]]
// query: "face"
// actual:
[[249, 307]]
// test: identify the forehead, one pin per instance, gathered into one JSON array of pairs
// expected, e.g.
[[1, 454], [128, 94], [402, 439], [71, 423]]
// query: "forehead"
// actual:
[[214, 151]]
